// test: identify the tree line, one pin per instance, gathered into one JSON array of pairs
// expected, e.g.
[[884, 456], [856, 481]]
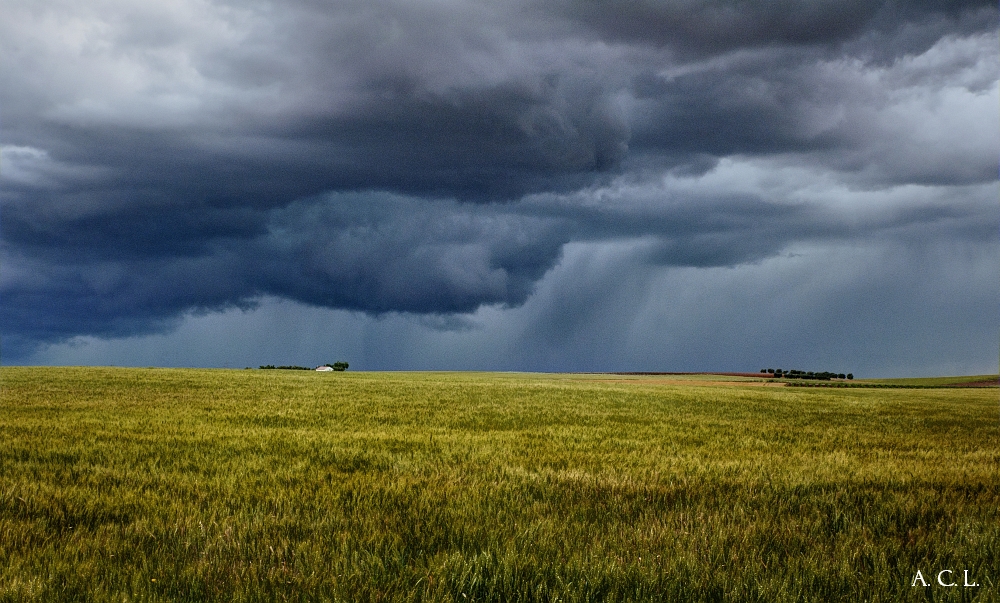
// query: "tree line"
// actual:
[[337, 366], [797, 374]]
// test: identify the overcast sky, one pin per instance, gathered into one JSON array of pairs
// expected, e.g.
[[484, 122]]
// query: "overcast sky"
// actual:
[[578, 185]]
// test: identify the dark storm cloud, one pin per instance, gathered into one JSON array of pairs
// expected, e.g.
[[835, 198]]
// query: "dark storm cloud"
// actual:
[[380, 253], [437, 157], [490, 144], [712, 27]]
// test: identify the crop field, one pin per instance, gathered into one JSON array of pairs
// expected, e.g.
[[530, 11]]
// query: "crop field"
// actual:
[[229, 485]]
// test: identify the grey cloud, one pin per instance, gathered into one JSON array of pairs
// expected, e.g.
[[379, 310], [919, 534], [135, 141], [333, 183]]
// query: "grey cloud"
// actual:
[[380, 253], [496, 143], [694, 29], [439, 158], [754, 105], [711, 27], [374, 253], [874, 308], [921, 120], [364, 96]]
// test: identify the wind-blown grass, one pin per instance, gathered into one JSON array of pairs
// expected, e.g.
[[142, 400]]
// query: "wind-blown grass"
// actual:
[[213, 485]]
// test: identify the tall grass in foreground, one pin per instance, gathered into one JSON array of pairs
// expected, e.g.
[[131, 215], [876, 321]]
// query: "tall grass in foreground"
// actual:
[[191, 485]]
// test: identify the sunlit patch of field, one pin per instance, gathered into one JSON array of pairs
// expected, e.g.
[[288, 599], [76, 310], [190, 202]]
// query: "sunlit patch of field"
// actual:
[[220, 485], [938, 381], [719, 381]]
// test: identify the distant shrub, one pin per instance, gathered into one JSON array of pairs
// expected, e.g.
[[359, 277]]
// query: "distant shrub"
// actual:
[[810, 375]]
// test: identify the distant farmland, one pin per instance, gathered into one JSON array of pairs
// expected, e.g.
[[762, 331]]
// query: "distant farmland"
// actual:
[[222, 485]]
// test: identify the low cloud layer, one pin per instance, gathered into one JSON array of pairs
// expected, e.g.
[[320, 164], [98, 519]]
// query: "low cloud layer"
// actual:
[[437, 160]]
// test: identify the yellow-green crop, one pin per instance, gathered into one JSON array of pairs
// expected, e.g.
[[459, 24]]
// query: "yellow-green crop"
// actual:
[[219, 485]]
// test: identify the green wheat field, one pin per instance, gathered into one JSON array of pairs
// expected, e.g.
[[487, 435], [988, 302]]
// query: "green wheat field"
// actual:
[[247, 485]]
